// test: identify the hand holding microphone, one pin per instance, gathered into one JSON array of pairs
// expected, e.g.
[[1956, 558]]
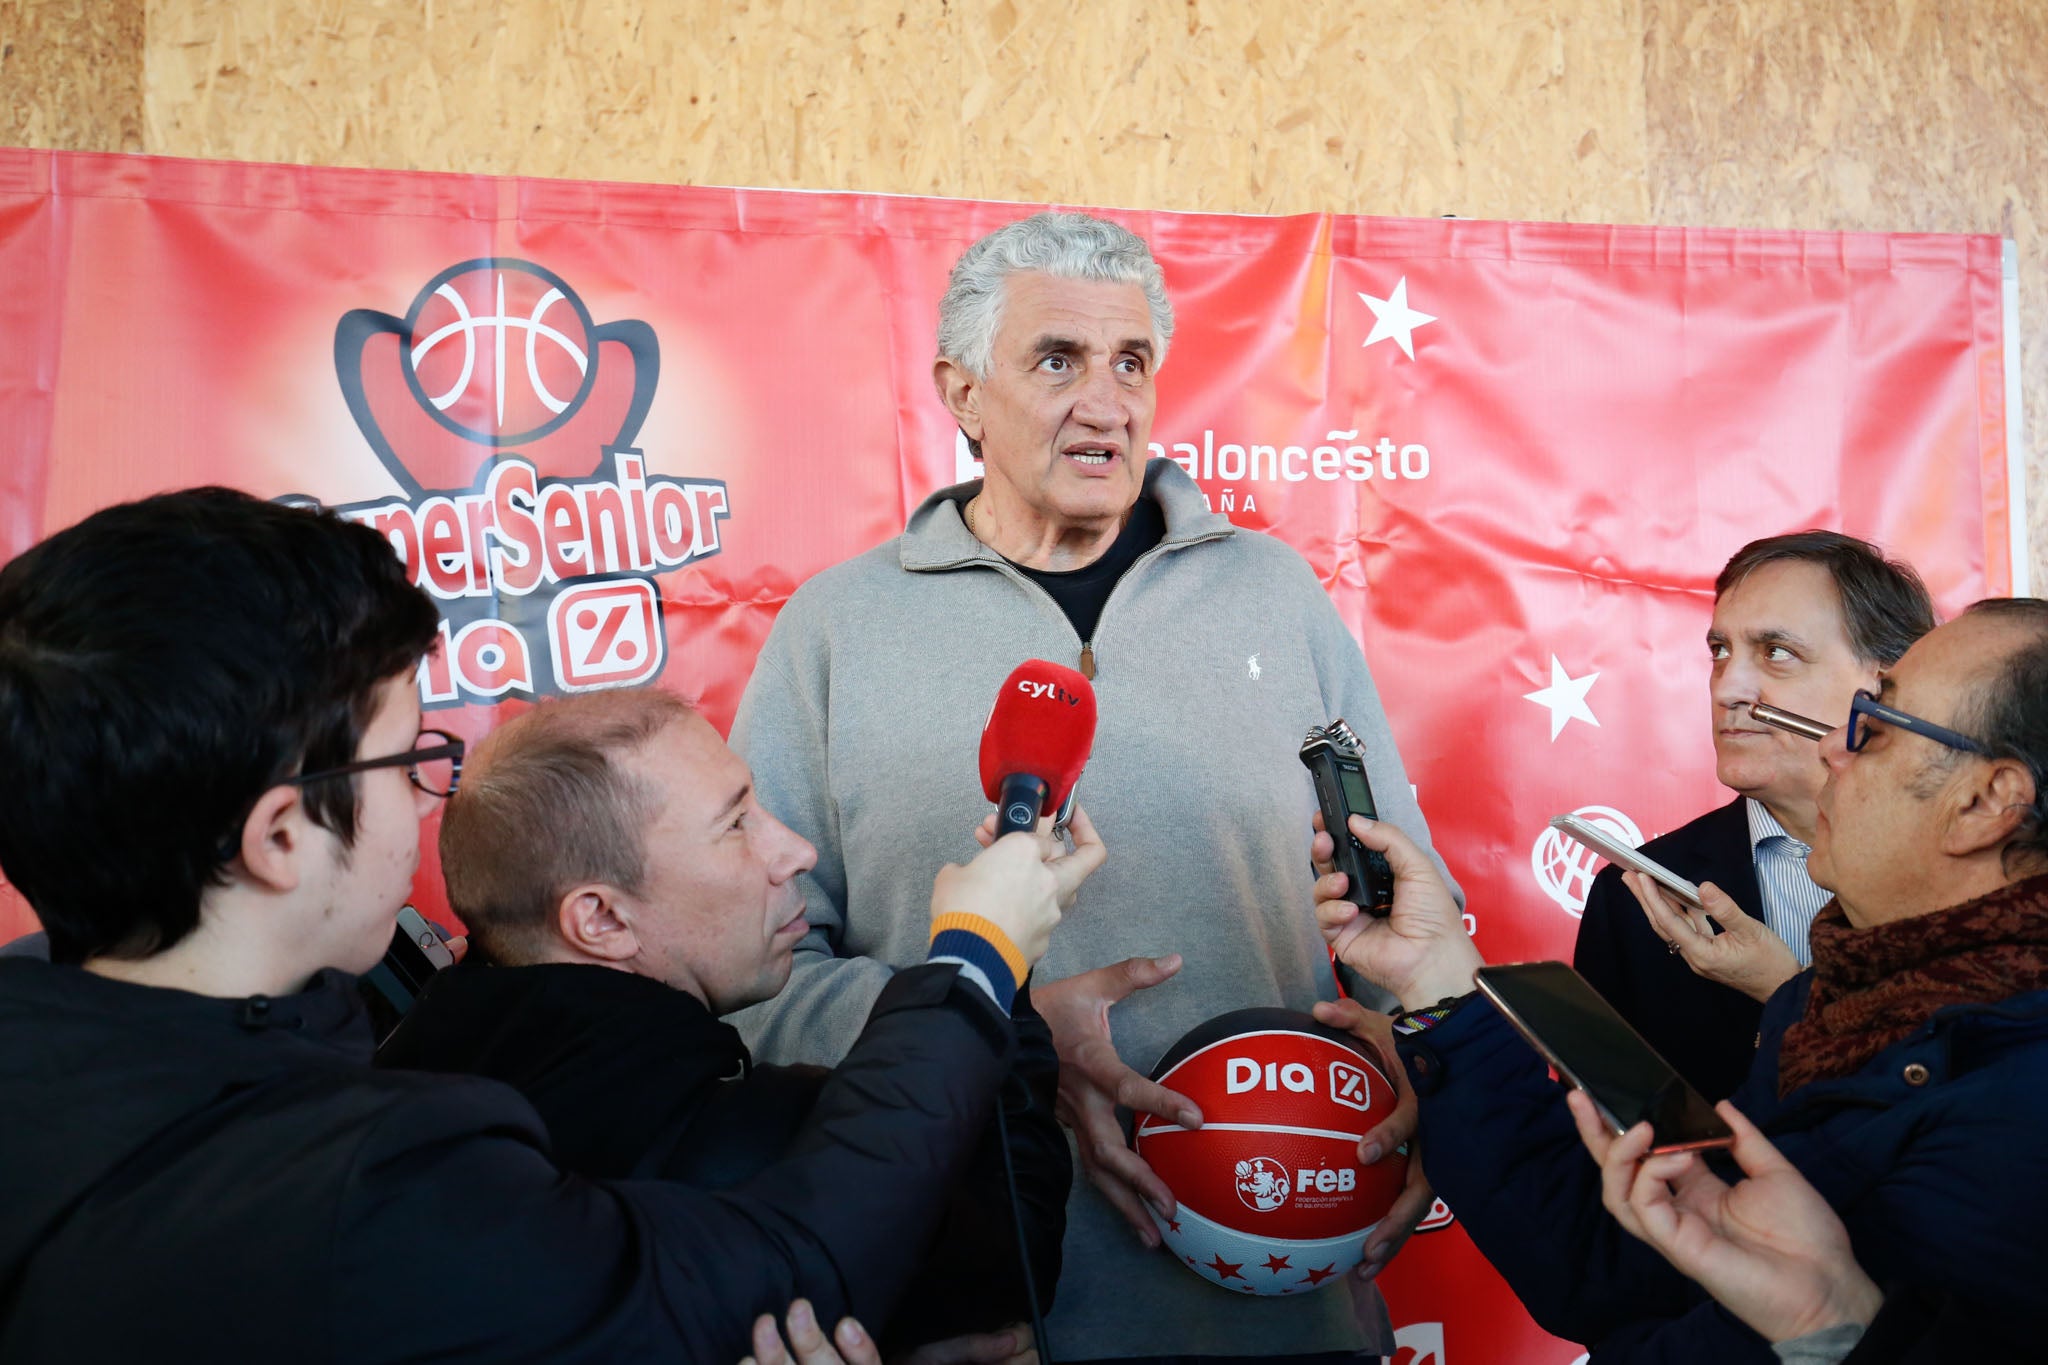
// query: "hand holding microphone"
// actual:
[[1043, 722], [1010, 896], [1009, 886], [1420, 951], [1036, 742], [1032, 751]]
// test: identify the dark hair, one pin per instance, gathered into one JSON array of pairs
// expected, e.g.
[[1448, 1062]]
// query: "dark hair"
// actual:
[[162, 664], [2010, 712], [545, 806], [1884, 603]]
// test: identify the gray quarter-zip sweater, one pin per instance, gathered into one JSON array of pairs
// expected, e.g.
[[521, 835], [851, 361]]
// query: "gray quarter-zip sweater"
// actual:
[[1214, 654]]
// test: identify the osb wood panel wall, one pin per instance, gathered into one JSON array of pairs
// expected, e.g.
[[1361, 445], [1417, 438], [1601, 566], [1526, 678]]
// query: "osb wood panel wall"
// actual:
[[1885, 115]]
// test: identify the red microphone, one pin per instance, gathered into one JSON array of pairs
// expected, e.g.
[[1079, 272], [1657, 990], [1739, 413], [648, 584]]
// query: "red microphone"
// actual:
[[1036, 742]]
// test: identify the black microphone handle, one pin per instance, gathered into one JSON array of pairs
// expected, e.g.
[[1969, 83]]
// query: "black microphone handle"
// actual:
[[1022, 801]]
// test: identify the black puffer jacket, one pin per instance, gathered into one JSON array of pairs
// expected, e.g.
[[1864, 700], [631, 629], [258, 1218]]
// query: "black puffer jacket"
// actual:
[[188, 1178], [634, 1078]]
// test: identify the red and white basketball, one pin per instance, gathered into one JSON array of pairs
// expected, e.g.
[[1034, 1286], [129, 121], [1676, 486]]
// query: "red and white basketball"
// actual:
[[1272, 1198]]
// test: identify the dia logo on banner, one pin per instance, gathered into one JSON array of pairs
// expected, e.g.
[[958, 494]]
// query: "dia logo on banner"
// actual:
[[507, 416]]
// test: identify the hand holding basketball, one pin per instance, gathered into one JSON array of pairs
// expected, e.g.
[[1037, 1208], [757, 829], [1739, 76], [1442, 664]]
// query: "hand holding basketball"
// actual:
[[1376, 1031], [1420, 952], [1273, 1199], [1094, 1081]]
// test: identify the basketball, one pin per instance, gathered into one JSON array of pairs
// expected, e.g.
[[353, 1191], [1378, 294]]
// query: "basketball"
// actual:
[[1272, 1198]]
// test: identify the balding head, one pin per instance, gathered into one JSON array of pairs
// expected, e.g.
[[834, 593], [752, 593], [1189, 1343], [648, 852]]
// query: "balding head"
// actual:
[[1941, 800], [550, 801]]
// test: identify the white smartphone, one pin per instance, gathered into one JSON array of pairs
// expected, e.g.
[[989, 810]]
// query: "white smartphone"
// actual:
[[1622, 856]]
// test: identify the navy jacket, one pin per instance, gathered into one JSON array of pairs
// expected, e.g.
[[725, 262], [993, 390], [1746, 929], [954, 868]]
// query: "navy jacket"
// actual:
[[186, 1178], [1933, 1154], [1707, 1031], [636, 1079]]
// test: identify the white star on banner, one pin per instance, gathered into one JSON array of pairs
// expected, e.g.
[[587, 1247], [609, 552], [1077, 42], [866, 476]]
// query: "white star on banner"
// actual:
[[1392, 317], [1566, 698]]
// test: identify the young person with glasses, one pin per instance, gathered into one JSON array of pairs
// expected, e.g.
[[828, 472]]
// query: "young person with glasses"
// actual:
[[214, 771]]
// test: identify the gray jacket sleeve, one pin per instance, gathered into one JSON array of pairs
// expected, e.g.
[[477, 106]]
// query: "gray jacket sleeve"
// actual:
[[781, 731]]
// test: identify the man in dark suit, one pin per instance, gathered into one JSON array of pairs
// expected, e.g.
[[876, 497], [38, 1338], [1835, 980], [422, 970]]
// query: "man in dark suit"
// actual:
[[1802, 621]]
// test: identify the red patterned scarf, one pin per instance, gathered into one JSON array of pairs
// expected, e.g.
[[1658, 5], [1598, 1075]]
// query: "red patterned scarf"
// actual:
[[1873, 987]]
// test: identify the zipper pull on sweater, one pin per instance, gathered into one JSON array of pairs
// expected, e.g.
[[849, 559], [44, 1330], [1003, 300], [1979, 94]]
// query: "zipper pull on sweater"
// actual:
[[1088, 660]]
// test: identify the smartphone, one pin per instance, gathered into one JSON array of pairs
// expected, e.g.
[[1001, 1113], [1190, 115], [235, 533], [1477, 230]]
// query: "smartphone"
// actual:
[[1335, 759], [1594, 1050], [415, 954], [1621, 855]]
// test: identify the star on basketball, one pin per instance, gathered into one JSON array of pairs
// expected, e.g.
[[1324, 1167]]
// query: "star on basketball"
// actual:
[[1226, 1270], [1276, 1264]]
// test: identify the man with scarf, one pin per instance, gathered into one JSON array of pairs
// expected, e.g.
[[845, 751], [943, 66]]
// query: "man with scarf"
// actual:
[[1904, 1076]]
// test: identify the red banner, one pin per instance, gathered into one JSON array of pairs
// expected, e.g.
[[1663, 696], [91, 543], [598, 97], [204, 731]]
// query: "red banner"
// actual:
[[612, 427]]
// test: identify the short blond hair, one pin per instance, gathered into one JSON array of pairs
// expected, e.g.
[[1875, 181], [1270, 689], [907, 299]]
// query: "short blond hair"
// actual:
[[546, 805]]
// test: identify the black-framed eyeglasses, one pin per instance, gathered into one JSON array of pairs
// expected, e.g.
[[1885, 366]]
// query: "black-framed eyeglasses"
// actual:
[[1865, 703], [435, 769]]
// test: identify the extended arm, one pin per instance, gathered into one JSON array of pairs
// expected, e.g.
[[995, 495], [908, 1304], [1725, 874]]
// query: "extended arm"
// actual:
[[531, 1262]]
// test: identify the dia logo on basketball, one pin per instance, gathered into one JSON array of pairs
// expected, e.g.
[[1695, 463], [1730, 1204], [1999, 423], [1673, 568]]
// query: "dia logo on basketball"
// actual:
[[1271, 1198]]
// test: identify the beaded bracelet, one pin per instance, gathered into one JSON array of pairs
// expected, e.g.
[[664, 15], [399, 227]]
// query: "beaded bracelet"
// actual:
[[1409, 1022]]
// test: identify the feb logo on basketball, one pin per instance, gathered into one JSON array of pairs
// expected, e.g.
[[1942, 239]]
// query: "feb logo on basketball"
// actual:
[[1262, 1184], [1271, 1198], [1564, 868], [508, 416]]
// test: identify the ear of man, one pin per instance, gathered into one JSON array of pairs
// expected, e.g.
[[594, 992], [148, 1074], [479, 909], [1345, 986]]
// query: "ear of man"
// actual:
[[1990, 806], [276, 839], [961, 393], [596, 920]]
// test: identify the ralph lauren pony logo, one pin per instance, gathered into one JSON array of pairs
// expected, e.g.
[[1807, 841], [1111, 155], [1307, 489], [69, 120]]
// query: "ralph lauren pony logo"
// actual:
[[507, 416]]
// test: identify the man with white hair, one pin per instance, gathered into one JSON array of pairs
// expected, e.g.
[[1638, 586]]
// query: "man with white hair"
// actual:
[[1212, 650]]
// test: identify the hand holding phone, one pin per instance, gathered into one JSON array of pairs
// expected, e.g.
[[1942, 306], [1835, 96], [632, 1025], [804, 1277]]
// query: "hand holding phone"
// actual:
[[416, 953], [1591, 836]]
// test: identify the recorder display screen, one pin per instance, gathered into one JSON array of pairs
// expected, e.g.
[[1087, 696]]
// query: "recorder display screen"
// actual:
[[1357, 796]]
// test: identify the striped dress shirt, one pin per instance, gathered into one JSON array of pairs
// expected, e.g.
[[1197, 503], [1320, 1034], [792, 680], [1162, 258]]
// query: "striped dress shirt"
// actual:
[[1790, 899]]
